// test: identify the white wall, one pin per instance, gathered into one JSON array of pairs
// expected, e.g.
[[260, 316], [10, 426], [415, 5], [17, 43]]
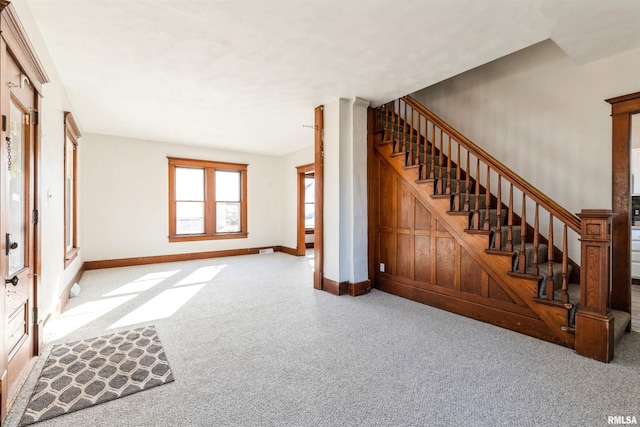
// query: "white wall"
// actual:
[[542, 116], [54, 277], [345, 190], [289, 186], [125, 198]]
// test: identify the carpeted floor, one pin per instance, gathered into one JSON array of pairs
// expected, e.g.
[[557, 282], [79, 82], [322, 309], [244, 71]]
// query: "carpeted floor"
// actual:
[[251, 343]]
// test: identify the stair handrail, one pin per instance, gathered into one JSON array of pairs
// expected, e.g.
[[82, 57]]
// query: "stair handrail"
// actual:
[[550, 205]]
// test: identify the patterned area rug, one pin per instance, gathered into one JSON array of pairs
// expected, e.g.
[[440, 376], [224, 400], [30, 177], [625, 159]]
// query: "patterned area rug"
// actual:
[[84, 373]]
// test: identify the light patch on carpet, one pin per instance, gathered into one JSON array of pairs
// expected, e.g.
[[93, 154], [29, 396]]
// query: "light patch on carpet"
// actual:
[[159, 307], [142, 284]]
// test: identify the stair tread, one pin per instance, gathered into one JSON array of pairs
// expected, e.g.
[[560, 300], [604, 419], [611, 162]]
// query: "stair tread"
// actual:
[[620, 322]]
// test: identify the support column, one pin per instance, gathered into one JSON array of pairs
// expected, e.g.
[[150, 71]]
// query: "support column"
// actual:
[[594, 321], [345, 197]]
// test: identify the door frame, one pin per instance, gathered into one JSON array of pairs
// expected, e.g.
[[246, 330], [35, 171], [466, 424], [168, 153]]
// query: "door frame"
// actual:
[[302, 171], [622, 108], [318, 234]]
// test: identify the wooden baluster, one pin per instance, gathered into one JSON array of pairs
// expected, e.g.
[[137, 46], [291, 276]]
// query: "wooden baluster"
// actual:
[[421, 146], [404, 129], [476, 210], [388, 127], [458, 197], [467, 184], [487, 202], [448, 186], [564, 296], [410, 155], [497, 241], [550, 287], [396, 131], [432, 172], [522, 257], [536, 232], [441, 165], [509, 246]]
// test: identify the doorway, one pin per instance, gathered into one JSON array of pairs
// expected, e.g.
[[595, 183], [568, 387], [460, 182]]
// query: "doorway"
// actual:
[[306, 208]]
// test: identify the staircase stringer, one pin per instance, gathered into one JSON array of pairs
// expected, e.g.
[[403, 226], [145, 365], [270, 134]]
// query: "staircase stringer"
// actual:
[[519, 289]]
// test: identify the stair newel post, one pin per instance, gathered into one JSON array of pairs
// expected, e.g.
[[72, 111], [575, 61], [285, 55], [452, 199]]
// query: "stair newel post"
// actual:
[[509, 246], [564, 296], [536, 231], [456, 200], [497, 245], [476, 209], [522, 257], [432, 172], [550, 287], [467, 183], [594, 320]]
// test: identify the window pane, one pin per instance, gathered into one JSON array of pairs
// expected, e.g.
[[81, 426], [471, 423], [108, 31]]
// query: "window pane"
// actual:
[[189, 184], [189, 217], [227, 186], [228, 217], [309, 215], [309, 190]]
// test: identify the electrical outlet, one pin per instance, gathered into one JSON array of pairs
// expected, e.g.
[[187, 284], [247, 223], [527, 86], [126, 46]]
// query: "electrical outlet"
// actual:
[[636, 212], [382, 267]]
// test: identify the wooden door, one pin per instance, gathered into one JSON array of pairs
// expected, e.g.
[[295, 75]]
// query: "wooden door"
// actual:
[[17, 229]]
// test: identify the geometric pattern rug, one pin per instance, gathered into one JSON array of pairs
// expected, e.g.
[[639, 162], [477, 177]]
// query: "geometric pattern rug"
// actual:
[[83, 373]]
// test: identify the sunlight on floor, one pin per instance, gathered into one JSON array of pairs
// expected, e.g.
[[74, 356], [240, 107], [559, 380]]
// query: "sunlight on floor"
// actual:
[[311, 257], [82, 315], [201, 275], [161, 306], [142, 284]]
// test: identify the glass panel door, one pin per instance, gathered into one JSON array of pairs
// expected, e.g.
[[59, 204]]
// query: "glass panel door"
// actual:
[[16, 148]]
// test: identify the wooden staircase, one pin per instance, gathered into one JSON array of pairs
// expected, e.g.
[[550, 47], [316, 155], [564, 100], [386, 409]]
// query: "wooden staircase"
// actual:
[[501, 228]]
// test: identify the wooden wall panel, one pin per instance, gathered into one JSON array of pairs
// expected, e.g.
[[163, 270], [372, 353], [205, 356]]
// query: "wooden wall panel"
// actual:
[[472, 276], [445, 262], [387, 251], [404, 260], [496, 292], [405, 203], [423, 260], [422, 217], [387, 184]]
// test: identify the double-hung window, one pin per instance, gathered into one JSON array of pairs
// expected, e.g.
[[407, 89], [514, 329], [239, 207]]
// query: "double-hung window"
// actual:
[[207, 200]]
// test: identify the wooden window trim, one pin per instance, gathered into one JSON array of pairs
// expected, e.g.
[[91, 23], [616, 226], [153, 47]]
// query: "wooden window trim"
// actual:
[[210, 167], [71, 133]]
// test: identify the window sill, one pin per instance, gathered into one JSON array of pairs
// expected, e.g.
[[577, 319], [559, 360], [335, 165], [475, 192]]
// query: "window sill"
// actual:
[[196, 237], [70, 256]]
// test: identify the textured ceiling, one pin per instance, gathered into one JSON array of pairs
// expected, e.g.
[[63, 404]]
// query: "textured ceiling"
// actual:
[[246, 75]]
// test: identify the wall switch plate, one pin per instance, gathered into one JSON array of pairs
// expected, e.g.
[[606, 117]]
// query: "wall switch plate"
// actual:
[[382, 267], [636, 212]]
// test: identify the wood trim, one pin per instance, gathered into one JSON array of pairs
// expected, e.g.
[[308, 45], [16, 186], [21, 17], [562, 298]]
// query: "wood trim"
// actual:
[[128, 262], [287, 250], [360, 288], [532, 192], [335, 288], [21, 48], [309, 245], [622, 107], [318, 237]]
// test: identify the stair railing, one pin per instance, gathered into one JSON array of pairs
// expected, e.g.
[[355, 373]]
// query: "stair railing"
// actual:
[[463, 171]]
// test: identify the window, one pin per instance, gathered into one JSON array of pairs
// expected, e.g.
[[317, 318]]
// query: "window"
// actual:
[[71, 136], [207, 200]]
